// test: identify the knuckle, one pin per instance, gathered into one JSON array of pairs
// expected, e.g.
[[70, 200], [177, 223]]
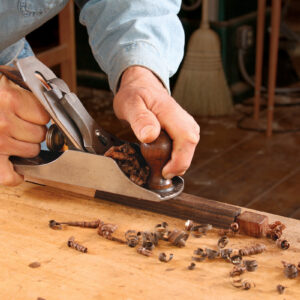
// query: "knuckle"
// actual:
[[183, 167], [7, 179], [3, 144], [197, 128], [32, 150], [41, 133], [7, 96], [161, 108], [45, 118], [193, 138], [197, 138], [194, 125], [4, 123], [4, 93], [140, 118]]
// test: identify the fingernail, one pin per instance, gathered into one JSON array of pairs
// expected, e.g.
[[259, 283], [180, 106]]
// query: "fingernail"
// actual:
[[146, 132], [169, 176]]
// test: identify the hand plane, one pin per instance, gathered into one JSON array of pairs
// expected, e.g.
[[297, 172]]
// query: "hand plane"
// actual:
[[84, 164]]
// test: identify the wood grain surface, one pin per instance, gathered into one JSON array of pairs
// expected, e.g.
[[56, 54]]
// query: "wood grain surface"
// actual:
[[113, 271], [184, 206]]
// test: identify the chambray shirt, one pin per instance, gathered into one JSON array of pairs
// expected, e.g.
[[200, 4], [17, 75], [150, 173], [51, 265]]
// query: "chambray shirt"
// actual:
[[122, 33]]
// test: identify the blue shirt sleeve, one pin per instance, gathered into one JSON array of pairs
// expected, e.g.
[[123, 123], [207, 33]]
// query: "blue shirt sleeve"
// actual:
[[124, 33]]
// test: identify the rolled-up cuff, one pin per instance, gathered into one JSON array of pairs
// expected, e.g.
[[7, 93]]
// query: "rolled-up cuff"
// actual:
[[137, 54], [8, 55]]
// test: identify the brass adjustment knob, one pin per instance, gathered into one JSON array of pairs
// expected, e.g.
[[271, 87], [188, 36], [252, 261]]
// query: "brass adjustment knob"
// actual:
[[55, 139]]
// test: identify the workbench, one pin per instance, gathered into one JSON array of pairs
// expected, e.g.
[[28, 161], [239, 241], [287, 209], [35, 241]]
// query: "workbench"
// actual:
[[111, 270]]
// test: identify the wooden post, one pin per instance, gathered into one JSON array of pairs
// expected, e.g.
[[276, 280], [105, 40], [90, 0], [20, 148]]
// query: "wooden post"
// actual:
[[273, 58], [67, 37], [260, 28], [64, 53]]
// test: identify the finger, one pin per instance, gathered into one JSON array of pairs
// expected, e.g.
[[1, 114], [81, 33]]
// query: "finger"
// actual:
[[22, 102], [21, 130], [10, 146], [184, 131], [8, 176], [143, 122], [181, 158]]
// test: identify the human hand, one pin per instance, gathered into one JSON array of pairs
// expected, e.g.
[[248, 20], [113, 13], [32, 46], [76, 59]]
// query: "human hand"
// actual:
[[22, 120], [145, 104]]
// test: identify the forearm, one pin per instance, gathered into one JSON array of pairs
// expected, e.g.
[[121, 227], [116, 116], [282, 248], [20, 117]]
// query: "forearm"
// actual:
[[136, 32]]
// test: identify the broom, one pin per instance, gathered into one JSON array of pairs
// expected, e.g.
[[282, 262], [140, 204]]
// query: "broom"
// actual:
[[201, 87]]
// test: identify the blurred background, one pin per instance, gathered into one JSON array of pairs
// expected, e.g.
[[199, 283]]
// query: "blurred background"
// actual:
[[239, 159]]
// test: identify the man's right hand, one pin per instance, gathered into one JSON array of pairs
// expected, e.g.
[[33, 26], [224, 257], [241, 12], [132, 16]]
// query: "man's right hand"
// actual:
[[22, 128]]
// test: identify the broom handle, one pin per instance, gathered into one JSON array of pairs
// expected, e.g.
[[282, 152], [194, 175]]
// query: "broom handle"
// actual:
[[204, 21]]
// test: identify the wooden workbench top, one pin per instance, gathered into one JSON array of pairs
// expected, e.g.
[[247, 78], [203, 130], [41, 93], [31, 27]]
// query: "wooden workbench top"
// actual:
[[114, 271]]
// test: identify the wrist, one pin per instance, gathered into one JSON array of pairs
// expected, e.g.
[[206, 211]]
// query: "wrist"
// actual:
[[138, 75]]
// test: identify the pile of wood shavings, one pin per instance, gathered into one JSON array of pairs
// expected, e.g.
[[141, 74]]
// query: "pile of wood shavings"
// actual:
[[149, 240], [131, 162]]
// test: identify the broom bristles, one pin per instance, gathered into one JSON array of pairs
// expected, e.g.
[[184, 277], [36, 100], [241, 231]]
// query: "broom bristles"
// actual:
[[201, 87]]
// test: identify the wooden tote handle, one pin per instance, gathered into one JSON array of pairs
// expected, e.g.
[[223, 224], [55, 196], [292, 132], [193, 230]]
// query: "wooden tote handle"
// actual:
[[157, 154]]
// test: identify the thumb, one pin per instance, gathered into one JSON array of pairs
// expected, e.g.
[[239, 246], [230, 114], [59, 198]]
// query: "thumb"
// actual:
[[8, 176], [143, 122]]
